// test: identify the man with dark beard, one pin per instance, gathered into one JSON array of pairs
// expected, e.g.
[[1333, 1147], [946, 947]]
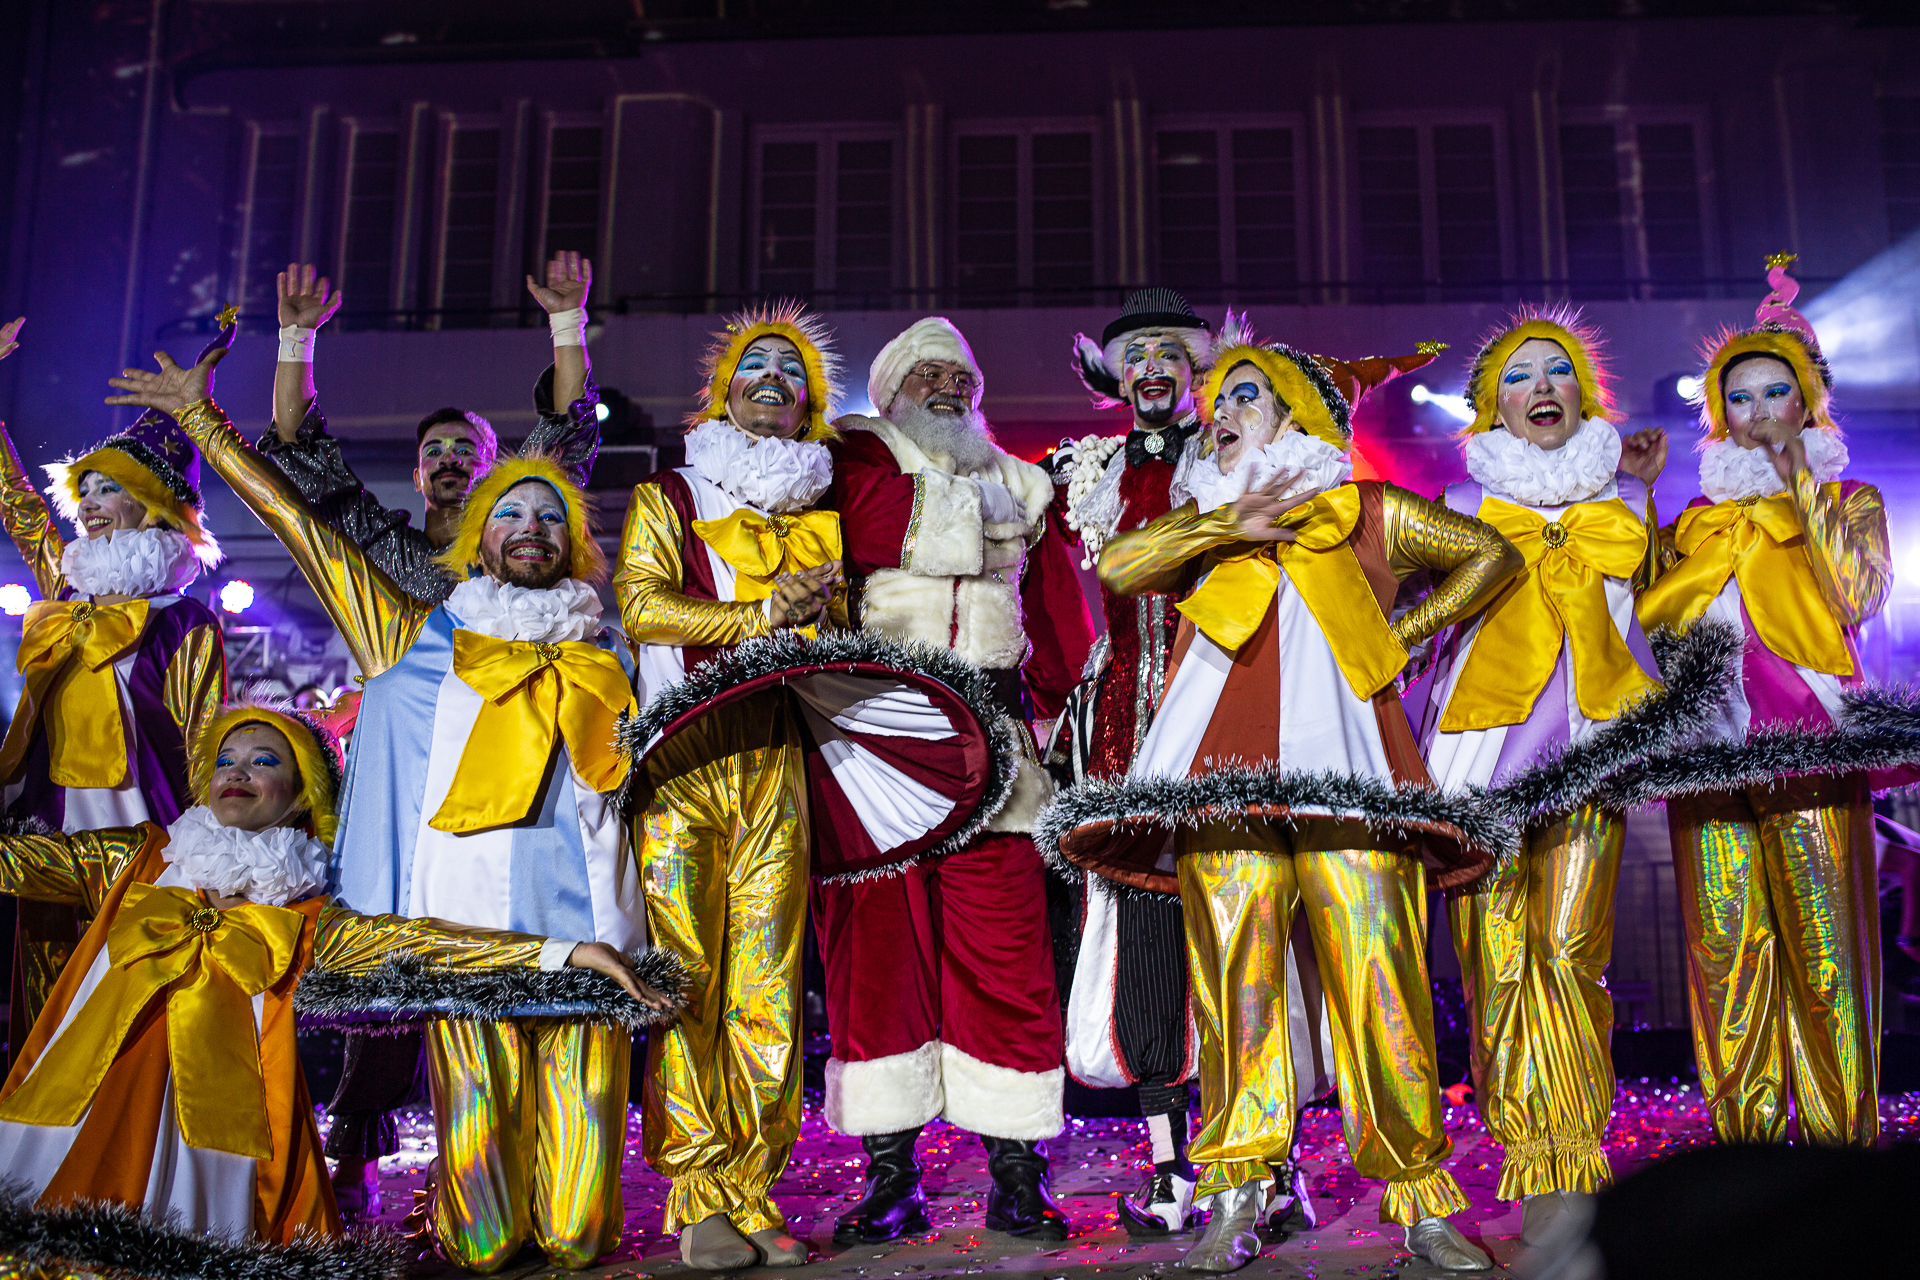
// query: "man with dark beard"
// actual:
[[479, 792], [947, 541], [1127, 1019]]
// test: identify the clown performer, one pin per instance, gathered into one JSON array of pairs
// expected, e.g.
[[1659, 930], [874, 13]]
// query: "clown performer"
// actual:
[[1288, 671], [478, 793], [948, 543], [1776, 874], [163, 1077], [120, 666], [721, 550], [455, 447], [1556, 655], [1146, 361]]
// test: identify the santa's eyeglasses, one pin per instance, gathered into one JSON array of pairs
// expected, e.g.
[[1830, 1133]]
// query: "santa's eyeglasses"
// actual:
[[959, 379]]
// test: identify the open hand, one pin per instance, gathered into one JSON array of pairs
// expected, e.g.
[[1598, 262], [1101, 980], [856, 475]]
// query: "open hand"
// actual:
[[170, 390], [1256, 515], [8, 332], [305, 300], [1644, 454], [800, 598], [569, 278], [1783, 445], [602, 958]]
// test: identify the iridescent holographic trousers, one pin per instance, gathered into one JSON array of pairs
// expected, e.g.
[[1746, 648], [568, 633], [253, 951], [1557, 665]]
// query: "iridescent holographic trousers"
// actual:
[[1778, 899], [724, 853], [1534, 937], [532, 1121], [1240, 885]]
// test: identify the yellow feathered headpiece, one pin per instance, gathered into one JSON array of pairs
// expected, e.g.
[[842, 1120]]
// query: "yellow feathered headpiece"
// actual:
[[316, 754], [164, 490], [1320, 390], [1782, 333], [785, 319], [1563, 325], [589, 564]]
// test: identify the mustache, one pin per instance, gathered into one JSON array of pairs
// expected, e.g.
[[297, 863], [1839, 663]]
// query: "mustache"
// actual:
[[948, 400], [448, 469]]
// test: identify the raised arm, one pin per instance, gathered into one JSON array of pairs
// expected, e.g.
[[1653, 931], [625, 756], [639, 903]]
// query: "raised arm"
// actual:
[[1847, 543], [1474, 558], [565, 397], [76, 869], [196, 680], [378, 620], [29, 522]]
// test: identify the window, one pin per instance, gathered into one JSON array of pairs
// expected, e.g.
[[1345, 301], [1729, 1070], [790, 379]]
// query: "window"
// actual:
[[573, 190], [826, 218], [266, 241], [1634, 209], [1900, 163], [1430, 211], [367, 241], [468, 235], [1228, 213], [1023, 216]]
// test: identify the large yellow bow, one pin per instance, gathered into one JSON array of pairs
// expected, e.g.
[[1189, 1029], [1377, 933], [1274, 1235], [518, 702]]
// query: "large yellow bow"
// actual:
[[67, 652], [1561, 596], [533, 692], [760, 548], [1231, 600], [208, 965], [1759, 542]]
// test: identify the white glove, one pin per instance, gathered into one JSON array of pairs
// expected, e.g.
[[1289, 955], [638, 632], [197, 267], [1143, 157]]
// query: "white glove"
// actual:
[[997, 504]]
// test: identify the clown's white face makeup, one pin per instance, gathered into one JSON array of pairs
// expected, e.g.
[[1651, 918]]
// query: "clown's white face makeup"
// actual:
[[1156, 377], [1539, 394], [1764, 403], [768, 394], [105, 507], [1247, 416], [526, 542], [256, 784]]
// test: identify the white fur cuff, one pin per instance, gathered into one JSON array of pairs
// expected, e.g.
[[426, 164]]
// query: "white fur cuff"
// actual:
[[999, 1102], [947, 537], [885, 1095]]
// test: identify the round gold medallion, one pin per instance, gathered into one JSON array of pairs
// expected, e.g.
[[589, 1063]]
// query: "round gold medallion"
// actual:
[[204, 920], [1554, 535]]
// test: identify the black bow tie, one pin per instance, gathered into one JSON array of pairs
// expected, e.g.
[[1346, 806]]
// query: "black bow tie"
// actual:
[[1164, 445]]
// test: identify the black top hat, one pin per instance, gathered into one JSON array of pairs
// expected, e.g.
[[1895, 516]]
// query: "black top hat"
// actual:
[[1153, 309]]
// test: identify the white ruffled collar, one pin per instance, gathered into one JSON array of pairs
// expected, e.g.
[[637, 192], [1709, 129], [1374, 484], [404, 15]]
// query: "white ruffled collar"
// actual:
[[769, 473], [1300, 463], [1510, 467], [539, 615], [275, 867], [131, 562], [1729, 473]]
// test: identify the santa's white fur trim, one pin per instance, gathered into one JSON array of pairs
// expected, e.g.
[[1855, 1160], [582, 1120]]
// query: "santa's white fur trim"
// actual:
[[947, 528], [885, 1095], [1032, 791], [934, 338], [999, 1102]]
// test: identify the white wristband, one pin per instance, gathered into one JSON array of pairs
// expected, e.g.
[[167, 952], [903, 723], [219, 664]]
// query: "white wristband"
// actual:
[[296, 344], [569, 327]]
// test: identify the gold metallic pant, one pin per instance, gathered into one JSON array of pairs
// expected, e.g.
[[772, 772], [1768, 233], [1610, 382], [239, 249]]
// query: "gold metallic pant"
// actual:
[[1534, 938], [1366, 912], [1778, 898], [532, 1121], [724, 852]]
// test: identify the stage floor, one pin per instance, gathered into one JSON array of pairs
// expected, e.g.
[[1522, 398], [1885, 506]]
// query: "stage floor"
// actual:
[[1092, 1160]]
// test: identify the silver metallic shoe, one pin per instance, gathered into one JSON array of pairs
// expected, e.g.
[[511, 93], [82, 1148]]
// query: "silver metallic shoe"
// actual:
[[1230, 1242], [713, 1245], [1440, 1243]]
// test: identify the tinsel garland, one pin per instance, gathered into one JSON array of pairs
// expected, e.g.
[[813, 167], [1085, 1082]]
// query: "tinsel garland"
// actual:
[[406, 991]]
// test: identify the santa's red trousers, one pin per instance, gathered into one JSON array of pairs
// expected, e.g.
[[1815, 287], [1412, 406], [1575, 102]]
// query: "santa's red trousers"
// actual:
[[940, 996]]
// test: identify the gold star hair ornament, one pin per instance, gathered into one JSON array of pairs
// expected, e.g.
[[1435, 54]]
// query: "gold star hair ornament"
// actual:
[[1430, 348], [228, 314], [1782, 259]]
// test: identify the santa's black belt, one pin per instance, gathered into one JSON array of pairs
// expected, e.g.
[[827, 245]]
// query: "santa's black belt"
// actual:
[[1008, 692]]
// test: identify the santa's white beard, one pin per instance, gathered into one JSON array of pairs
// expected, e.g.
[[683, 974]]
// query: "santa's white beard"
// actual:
[[963, 437]]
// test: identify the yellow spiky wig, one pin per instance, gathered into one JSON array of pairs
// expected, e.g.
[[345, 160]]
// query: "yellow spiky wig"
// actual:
[[589, 563], [1302, 385], [316, 754], [1780, 332], [1581, 341], [134, 468], [784, 319]]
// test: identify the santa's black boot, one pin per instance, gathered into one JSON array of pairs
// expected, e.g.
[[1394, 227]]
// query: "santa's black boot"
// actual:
[[894, 1205], [1019, 1203]]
